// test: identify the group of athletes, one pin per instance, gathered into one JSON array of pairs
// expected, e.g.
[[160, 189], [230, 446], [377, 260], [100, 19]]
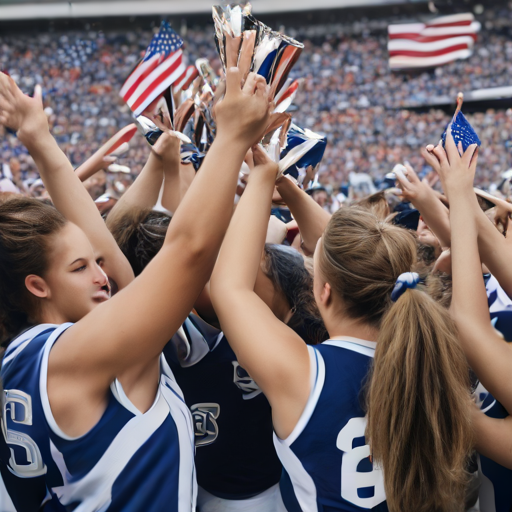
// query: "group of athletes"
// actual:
[[194, 362]]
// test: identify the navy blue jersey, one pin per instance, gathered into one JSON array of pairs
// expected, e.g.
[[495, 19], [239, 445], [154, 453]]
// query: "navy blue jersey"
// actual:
[[495, 492], [235, 456], [128, 461], [326, 457]]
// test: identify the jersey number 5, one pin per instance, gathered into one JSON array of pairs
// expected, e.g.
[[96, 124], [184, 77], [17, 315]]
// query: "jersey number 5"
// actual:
[[18, 409], [353, 480]]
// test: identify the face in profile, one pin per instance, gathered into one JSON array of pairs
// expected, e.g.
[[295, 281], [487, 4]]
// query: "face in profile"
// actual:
[[425, 235], [74, 283]]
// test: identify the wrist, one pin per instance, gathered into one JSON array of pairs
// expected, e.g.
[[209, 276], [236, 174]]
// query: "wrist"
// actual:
[[34, 134]]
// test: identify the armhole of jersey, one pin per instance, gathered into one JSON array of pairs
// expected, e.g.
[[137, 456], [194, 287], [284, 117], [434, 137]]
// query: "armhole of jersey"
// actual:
[[43, 381], [317, 379]]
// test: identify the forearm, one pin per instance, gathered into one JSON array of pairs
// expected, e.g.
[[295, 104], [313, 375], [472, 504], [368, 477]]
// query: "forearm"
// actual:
[[177, 180], [493, 437], [240, 256], [488, 355], [311, 218], [494, 251], [74, 202], [143, 193], [436, 216], [206, 209]]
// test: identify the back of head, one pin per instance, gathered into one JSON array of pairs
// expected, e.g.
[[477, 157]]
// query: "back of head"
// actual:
[[26, 228], [418, 398], [286, 269], [140, 233]]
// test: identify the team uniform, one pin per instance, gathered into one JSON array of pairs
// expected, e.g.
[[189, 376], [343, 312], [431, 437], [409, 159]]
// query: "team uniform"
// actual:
[[128, 461], [325, 458], [237, 466]]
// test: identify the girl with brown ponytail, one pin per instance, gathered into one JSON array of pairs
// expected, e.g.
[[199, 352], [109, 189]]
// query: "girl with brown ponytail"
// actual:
[[412, 402]]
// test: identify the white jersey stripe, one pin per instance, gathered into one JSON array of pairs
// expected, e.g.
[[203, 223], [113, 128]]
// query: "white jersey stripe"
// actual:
[[23, 338], [94, 489], [364, 347], [303, 485], [317, 376]]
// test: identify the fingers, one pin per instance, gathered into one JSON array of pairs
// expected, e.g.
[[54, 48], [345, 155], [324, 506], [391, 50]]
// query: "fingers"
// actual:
[[260, 156], [254, 82], [411, 175], [234, 80], [474, 161], [440, 153], [38, 94], [450, 146], [467, 157]]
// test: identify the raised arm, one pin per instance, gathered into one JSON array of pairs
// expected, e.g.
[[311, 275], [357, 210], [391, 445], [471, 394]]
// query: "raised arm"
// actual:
[[26, 116], [143, 194], [425, 200], [132, 328], [275, 356], [488, 355], [310, 216]]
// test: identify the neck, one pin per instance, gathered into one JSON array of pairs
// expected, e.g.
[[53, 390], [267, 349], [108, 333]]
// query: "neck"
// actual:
[[340, 327]]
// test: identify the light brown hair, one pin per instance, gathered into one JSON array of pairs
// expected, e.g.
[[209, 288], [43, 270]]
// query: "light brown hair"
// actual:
[[418, 399]]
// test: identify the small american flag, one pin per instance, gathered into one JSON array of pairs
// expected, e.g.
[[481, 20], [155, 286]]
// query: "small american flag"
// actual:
[[462, 131], [424, 45], [161, 66]]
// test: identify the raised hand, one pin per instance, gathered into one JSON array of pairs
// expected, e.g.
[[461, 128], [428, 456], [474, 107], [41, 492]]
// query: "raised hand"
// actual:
[[243, 113], [413, 189], [263, 163], [456, 169], [19, 112]]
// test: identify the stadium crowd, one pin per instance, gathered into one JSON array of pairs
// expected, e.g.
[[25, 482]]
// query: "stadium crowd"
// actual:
[[349, 94]]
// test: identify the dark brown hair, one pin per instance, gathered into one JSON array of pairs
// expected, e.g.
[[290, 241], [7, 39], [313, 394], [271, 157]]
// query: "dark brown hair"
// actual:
[[26, 228], [418, 400], [285, 267], [140, 233]]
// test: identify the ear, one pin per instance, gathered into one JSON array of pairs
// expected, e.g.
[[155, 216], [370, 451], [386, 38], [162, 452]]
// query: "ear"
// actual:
[[326, 294], [37, 286]]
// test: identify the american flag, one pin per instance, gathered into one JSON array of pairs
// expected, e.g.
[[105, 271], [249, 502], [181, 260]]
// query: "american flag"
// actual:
[[186, 79], [424, 45], [161, 66]]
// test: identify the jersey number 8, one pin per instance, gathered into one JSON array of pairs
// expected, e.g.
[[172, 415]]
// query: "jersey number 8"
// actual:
[[352, 480]]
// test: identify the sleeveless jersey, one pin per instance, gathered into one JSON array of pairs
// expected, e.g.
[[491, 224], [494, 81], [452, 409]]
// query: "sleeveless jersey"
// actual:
[[235, 455], [325, 458], [128, 461]]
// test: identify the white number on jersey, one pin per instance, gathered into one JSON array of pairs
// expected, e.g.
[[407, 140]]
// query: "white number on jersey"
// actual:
[[351, 479], [18, 408]]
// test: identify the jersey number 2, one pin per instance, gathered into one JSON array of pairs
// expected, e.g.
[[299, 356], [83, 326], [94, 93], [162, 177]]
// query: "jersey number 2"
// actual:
[[18, 409], [353, 480]]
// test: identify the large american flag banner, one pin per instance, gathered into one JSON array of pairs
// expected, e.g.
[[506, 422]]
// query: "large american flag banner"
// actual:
[[160, 67], [425, 45]]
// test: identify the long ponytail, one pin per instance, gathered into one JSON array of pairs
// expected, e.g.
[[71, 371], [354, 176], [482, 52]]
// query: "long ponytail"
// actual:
[[419, 425], [418, 398]]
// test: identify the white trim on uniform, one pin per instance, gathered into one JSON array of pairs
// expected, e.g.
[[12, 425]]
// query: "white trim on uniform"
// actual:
[[94, 490], [303, 484], [19, 343], [317, 377], [187, 489], [364, 347], [43, 381]]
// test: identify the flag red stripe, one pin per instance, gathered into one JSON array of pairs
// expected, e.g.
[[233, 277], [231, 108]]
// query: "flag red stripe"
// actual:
[[139, 80], [166, 74], [410, 53]]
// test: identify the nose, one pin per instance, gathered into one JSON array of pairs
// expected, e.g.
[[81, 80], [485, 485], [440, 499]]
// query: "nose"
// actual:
[[100, 278]]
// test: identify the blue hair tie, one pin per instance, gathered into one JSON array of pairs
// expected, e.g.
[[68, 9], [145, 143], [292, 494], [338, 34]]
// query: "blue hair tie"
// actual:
[[404, 281]]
